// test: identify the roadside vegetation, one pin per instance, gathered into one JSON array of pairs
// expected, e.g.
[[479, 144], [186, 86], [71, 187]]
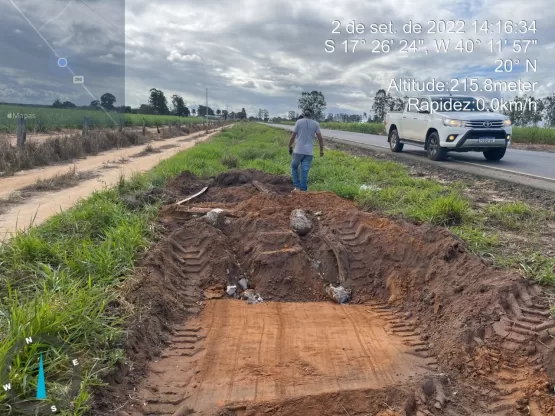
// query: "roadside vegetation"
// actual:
[[534, 135], [66, 276], [36, 153], [368, 128], [524, 135]]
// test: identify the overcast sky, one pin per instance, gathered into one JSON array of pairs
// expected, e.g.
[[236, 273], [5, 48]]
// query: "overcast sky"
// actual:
[[252, 54]]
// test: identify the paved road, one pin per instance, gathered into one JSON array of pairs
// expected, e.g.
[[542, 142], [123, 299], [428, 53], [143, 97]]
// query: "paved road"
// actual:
[[522, 166]]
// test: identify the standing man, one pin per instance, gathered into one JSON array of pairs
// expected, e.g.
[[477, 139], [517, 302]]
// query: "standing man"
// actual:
[[304, 131]]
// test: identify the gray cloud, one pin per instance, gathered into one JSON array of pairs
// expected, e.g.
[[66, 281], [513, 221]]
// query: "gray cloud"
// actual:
[[249, 53]]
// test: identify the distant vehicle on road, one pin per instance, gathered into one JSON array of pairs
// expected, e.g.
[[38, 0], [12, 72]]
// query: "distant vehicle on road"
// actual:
[[443, 124]]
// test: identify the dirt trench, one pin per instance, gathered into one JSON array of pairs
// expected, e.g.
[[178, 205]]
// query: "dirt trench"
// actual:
[[430, 328]]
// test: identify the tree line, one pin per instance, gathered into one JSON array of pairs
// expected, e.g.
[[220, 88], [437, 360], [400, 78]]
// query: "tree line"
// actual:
[[542, 112], [158, 105], [521, 114], [517, 109]]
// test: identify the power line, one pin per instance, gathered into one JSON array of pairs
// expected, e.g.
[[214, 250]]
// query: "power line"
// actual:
[[59, 14], [113, 25], [36, 30]]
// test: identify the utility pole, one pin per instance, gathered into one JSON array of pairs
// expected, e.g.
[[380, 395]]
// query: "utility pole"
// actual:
[[206, 106]]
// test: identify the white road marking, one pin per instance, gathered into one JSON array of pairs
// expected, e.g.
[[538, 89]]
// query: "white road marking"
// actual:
[[507, 170], [462, 161]]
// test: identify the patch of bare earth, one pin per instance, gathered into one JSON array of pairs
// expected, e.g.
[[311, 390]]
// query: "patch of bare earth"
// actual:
[[55, 183], [430, 328]]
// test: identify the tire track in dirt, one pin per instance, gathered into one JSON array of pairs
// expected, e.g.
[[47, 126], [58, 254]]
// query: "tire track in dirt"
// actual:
[[516, 329], [236, 358], [295, 373], [258, 362], [430, 329], [368, 356], [525, 323], [164, 394], [330, 358], [280, 387]]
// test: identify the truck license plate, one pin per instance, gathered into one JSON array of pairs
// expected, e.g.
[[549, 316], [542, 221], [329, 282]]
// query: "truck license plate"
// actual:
[[486, 140]]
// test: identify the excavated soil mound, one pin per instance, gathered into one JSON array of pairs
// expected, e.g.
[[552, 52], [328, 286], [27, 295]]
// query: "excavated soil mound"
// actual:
[[485, 335]]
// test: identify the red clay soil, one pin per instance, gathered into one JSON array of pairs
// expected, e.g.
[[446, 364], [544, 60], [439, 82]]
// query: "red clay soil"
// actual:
[[486, 335]]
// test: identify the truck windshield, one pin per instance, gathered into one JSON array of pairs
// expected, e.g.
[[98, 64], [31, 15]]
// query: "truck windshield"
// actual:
[[458, 104]]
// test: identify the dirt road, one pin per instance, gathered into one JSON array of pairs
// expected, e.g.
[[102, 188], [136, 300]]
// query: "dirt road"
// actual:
[[430, 328], [37, 209]]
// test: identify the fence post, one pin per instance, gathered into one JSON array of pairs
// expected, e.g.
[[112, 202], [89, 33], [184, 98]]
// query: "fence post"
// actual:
[[85, 126], [21, 132], [120, 124], [157, 128], [144, 126]]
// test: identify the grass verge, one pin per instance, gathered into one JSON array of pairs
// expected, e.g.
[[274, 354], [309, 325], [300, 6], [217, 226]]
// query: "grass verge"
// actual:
[[368, 128], [534, 135], [63, 277], [59, 280]]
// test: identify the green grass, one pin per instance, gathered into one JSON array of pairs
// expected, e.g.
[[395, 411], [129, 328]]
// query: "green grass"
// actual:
[[510, 215], [533, 135], [525, 135], [62, 277], [54, 119], [478, 240], [369, 128], [59, 278]]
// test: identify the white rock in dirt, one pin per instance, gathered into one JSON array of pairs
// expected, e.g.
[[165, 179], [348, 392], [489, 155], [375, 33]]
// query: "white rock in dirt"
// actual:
[[216, 218], [231, 290], [251, 296], [244, 283], [338, 294], [300, 222]]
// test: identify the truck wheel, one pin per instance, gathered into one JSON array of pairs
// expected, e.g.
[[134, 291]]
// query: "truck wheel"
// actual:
[[394, 143], [495, 154], [435, 151]]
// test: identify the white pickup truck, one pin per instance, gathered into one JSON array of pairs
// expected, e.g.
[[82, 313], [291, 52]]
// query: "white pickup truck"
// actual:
[[444, 124]]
